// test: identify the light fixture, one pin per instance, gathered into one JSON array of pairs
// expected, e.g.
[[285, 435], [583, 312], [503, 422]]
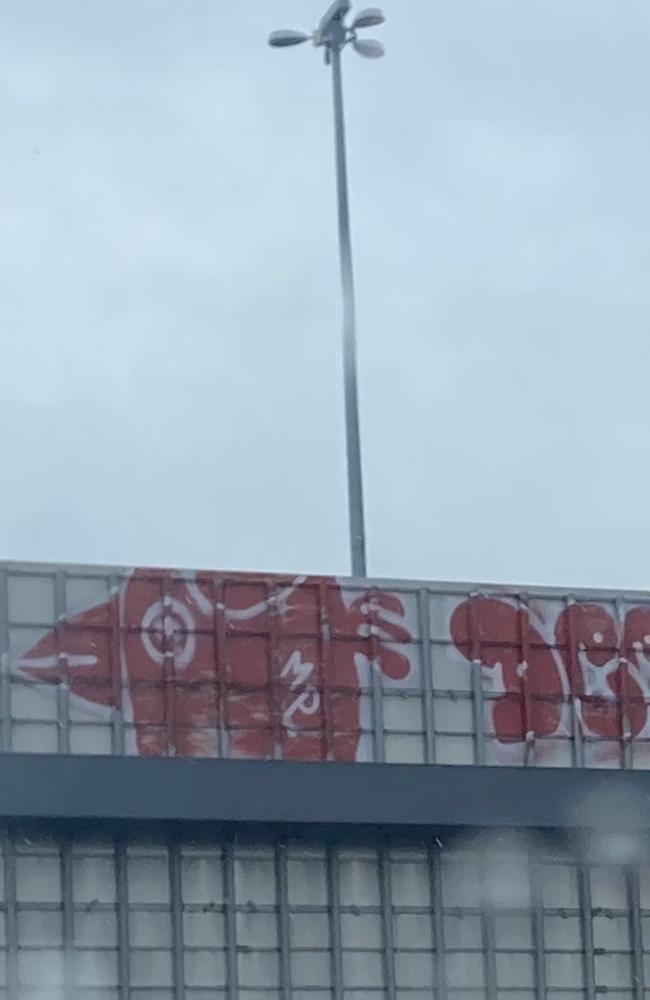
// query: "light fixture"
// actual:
[[368, 47], [335, 12], [369, 18], [284, 37]]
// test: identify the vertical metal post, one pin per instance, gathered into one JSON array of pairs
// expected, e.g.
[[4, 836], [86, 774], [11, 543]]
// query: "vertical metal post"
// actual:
[[586, 919], [118, 682], [575, 687], [353, 439], [334, 901], [434, 851], [636, 931], [386, 898], [426, 678], [67, 902], [230, 914], [537, 907], [5, 666], [11, 912], [328, 728], [478, 700], [274, 673], [176, 900], [221, 660], [284, 925], [488, 937], [376, 686], [63, 687], [122, 897]]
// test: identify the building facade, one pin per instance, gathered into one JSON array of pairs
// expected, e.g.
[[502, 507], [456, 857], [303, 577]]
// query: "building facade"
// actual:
[[235, 785]]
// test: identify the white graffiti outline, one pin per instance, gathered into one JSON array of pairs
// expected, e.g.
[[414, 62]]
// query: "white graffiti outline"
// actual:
[[159, 617], [308, 700]]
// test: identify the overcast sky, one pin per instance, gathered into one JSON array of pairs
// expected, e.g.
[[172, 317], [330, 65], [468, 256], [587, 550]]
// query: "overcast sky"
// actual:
[[170, 387]]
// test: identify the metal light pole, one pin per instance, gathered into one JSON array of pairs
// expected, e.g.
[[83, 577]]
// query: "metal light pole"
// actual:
[[333, 34]]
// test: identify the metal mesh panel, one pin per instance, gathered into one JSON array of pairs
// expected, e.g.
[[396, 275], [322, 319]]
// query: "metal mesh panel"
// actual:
[[201, 664], [107, 920]]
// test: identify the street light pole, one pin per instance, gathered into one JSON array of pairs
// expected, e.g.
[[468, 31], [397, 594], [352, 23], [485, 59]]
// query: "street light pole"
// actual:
[[350, 388], [334, 35]]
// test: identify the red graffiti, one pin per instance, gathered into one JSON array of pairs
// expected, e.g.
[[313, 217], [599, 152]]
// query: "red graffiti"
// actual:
[[246, 665], [522, 668], [589, 657], [601, 658]]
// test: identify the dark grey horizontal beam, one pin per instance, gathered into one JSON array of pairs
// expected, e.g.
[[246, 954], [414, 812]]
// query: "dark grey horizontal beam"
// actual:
[[139, 790]]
